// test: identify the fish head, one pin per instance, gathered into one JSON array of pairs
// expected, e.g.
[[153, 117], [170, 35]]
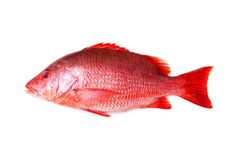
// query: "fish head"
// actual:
[[46, 84]]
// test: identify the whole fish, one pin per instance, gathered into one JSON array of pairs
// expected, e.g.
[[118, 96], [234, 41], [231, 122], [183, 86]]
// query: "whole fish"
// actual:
[[107, 78]]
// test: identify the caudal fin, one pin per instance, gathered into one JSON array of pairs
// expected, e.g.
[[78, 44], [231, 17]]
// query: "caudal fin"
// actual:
[[195, 86]]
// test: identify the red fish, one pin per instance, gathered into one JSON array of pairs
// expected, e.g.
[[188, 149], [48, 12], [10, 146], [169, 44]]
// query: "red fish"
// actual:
[[107, 78]]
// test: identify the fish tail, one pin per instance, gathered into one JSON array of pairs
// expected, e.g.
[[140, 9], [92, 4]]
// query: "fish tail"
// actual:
[[195, 86]]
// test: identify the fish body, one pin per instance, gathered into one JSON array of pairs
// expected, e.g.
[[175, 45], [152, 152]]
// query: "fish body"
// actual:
[[107, 78]]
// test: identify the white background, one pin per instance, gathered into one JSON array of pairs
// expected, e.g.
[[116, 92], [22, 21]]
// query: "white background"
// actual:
[[187, 34]]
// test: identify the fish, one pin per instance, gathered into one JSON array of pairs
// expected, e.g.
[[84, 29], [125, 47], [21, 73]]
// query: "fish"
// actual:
[[106, 78]]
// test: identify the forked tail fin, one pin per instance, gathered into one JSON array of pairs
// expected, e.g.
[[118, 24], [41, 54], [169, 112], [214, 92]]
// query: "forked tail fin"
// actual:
[[195, 86]]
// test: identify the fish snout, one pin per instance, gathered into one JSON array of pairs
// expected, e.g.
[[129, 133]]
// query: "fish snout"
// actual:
[[30, 89], [28, 86]]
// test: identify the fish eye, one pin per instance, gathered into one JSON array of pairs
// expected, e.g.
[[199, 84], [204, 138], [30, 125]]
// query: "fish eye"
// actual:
[[45, 74]]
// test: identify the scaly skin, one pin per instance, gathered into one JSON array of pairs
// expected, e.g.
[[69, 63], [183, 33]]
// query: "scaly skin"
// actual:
[[106, 78], [137, 81]]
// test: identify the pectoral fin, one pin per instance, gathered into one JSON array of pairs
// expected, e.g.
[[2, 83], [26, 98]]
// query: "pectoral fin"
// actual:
[[92, 94]]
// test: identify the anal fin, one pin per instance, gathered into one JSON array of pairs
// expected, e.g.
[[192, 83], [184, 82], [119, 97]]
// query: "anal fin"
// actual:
[[161, 102]]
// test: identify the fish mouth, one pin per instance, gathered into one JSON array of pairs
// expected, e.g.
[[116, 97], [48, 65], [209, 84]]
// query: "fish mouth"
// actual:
[[31, 90]]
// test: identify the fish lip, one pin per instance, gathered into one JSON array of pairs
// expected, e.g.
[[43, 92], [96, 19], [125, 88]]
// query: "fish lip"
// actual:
[[31, 90]]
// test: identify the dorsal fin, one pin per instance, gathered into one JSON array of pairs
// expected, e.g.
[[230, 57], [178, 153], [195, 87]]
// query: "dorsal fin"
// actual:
[[160, 64], [108, 46]]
